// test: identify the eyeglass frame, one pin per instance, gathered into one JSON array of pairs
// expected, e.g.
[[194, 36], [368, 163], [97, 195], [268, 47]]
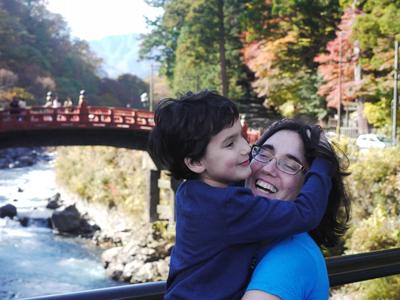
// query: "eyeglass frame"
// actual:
[[277, 160]]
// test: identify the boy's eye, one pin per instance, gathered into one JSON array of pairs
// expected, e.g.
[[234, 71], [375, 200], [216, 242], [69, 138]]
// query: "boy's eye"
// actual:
[[228, 145]]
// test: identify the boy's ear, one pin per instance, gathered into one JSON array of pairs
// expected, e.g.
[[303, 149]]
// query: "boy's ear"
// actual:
[[195, 166]]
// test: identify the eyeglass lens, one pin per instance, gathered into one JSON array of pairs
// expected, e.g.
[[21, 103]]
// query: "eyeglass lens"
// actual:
[[286, 165]]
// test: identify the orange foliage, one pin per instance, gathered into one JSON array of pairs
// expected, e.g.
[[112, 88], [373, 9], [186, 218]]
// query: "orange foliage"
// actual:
[[262, 57], [330, 65]]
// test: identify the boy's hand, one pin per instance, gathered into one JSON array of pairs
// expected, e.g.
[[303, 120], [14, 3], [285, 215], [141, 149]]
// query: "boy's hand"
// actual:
[[324, 148], [323, 141]]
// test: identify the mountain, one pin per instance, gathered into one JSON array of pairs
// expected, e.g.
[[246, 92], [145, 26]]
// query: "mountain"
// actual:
[[120, 55]]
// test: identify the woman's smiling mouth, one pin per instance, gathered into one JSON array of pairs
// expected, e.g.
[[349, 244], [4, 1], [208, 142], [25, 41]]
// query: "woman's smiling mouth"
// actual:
[[265, 186]]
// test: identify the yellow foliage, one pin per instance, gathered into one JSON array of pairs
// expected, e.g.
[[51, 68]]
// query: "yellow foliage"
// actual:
[[378, 114], [379, 231], [113, 176]]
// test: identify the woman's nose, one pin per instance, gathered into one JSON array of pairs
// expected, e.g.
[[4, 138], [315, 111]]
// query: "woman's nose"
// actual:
[[270, 167]]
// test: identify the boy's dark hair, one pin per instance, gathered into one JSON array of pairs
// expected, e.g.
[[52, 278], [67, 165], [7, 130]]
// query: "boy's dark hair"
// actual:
[[334, 222], [185, 126]]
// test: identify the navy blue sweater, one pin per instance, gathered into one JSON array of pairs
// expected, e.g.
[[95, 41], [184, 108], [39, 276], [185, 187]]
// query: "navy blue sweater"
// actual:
[[218, 231]]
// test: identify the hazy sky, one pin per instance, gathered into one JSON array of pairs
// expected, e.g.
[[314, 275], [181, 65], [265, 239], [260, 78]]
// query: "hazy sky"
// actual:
[[94, 19]]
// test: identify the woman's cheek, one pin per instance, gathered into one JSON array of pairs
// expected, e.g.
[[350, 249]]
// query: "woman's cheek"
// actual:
[[255, 166]]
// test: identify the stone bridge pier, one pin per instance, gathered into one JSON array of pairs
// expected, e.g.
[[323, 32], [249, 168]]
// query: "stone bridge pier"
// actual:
[[161, 189]]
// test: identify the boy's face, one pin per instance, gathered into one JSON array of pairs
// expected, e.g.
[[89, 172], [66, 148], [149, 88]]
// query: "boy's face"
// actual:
[[227, 158]]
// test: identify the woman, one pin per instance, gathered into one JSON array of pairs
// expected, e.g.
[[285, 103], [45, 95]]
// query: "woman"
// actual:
[[295, 268]]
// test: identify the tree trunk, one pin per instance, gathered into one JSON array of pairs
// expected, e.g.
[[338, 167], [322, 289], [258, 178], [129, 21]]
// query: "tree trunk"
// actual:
[[361, 120], [221, 40]]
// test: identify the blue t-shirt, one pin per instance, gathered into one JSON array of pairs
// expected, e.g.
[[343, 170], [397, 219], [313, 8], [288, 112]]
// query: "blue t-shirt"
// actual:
[[218, 231], [293, 269]]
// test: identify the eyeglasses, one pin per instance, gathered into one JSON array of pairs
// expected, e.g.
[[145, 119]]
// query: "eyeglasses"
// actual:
[[286, 165]]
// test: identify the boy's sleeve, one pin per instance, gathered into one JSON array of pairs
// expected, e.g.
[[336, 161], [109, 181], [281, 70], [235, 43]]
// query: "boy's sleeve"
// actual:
[[251, 219]]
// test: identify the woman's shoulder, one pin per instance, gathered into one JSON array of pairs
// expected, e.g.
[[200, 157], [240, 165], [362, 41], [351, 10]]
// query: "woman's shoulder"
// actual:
[[301, 247], [294, 255], [290, 271]]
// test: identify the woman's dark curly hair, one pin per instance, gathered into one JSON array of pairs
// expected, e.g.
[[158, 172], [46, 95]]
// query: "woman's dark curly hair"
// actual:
[[334, 222]]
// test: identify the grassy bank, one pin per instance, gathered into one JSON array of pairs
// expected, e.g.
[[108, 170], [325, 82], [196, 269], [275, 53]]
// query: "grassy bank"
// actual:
[[112, 176]]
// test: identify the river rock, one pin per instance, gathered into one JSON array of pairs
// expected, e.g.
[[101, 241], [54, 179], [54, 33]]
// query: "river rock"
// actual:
[[69, 221], [54, 202], [110, 255], [25, 161], [144, 274], [115, 272], [144, 258], [21, 157], [66, 220], [86, 229], [8, 210]]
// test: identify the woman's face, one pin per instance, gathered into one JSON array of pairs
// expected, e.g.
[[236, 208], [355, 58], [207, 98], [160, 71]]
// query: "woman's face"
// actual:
[[267, 180]]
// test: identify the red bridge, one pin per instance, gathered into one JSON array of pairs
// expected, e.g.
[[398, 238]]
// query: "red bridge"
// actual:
[[84, 125]]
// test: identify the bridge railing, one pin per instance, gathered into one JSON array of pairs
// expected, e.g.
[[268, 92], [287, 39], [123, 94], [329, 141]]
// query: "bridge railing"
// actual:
[[89, 117], [77, 117], [342, 270]]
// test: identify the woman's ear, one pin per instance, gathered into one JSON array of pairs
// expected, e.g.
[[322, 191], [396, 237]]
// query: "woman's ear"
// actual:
[[195, 166]]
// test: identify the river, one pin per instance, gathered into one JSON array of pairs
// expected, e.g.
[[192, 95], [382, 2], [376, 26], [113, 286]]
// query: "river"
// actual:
[[34, 261]]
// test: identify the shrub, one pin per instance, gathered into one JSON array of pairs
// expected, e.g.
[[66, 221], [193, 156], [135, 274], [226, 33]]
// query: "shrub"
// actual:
[[374, 186], [375, 180], [379, 231]]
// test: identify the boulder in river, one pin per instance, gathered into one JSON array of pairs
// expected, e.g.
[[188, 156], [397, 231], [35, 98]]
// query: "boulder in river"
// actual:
[[66, 220], [8, 210], [54, 202], [70, 221]]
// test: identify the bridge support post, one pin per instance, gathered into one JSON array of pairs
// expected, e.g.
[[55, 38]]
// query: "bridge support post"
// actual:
[[153, 195]]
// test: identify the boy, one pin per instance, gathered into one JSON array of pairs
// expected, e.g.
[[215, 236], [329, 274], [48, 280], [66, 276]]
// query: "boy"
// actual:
[[219, 226]]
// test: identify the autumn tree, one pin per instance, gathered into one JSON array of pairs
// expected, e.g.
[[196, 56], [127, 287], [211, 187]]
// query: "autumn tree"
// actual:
[[282, 38], [341, 71], [376, 29]]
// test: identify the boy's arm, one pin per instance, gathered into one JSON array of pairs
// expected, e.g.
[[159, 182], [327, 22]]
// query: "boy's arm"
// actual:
[[250, 218]]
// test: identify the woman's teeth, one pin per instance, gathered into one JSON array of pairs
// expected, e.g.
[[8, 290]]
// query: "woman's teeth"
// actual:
[[265, 186]]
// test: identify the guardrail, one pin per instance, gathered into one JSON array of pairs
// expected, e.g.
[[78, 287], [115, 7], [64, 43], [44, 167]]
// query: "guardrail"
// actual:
[[342, 270]]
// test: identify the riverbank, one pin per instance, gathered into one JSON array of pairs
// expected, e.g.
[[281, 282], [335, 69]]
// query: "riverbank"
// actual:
[[134, 251], [113, 181]]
